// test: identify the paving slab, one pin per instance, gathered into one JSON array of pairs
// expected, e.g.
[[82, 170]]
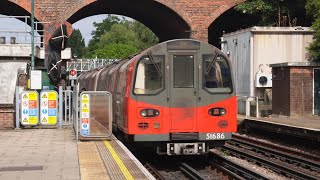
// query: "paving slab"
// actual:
[[39, 154]]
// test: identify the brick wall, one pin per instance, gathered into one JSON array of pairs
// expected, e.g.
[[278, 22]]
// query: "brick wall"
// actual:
[[301, 91], [199, 14], [6, 117]]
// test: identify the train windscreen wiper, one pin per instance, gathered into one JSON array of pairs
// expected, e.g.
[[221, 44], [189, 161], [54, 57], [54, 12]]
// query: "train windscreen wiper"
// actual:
[[155, 64], [213, 61]]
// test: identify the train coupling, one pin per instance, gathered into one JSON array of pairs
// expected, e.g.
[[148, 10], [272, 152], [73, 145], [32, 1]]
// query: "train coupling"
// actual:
[[186, 148]]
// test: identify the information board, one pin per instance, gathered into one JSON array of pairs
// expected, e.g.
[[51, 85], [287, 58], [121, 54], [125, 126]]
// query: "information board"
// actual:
[[48, 107], [85, 114], [29, 108]]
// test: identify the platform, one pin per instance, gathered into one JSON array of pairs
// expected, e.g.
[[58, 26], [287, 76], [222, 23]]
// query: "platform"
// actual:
[[54, 154], [306, 127]]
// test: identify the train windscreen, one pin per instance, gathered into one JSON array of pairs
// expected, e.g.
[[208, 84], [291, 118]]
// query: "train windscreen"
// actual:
[[149, 75]]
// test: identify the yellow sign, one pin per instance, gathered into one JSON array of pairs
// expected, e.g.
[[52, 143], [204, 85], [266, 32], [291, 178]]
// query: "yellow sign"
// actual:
[[44, 96], [25, 96], [25, 120], [52, 96], [32, 96], [85, 101], [85, 106], [52, 120], [33, 120], [85, 97], [85, 110]]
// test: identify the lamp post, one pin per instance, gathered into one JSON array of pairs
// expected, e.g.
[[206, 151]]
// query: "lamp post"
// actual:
[[32, 34]]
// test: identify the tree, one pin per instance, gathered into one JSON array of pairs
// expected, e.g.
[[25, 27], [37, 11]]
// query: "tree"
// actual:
[[273, 12], [313, 9], [145, 36], [114, 32], [101, 28], [76, 43]]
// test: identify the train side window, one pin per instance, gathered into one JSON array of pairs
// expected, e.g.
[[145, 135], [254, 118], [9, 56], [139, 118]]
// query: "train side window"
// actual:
[[216, 74], [149, 77]]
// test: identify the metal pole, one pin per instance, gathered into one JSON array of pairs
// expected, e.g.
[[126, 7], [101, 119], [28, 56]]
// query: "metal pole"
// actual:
[[32, 34], [17, 108], [60, 106]]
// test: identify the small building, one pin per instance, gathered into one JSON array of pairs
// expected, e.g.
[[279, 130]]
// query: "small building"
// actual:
[[251, 52], [295, 89]]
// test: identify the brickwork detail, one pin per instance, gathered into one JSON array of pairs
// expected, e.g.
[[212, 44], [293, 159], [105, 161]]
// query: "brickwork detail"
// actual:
[[199, 14], [6, 118], [301, 90]]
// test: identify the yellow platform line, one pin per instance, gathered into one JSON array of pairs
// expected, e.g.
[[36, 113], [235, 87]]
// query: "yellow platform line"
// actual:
[[119, 162]]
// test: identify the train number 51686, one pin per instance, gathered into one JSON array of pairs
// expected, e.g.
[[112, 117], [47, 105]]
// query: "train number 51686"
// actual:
[[215, 136]]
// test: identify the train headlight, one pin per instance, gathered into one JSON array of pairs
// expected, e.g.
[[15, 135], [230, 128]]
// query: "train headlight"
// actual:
[[143, 113], [149, 113], [217, 111]]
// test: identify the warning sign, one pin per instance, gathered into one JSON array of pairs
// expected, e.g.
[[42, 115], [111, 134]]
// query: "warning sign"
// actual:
[[85, 114], [29, 108], [48, 109]]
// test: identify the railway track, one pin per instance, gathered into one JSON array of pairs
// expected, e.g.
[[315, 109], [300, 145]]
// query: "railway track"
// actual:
[[284, 161], [232, 169], [153, 171]]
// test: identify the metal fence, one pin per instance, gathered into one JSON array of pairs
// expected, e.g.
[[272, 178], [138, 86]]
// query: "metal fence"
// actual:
[[88, 64], [22, 35]]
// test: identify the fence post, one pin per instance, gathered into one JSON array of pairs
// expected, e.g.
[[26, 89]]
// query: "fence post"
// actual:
[[17, 108], [257, 107], [60, 106], [247, 107]]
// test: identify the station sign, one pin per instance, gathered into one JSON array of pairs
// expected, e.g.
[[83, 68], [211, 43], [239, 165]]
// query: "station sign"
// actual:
[[29, 108], [48, 107], [85, 115]]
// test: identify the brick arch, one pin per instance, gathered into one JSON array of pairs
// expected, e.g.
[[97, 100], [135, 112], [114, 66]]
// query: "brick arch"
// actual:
[[165, 22], [19, 8], [220, 10]]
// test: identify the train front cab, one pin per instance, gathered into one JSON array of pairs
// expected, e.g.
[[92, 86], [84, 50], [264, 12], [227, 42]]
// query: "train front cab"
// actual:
[[182, 98]]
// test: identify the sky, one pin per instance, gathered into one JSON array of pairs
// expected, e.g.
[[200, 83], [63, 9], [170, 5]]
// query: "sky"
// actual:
[[11, 24]]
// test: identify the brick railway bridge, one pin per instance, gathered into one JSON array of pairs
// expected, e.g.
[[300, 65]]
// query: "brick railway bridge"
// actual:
[[168, 19]]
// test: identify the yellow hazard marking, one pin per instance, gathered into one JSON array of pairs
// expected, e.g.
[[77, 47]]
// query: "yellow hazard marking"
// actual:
[[119, 162], [85, 106], [44, 96], [33, 96], [25, 96], [25, 120], [44, 119], [84, 96], [52, 96]]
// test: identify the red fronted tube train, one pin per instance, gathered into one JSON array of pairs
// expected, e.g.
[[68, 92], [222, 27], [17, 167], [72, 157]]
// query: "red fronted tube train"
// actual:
[[176, 97]]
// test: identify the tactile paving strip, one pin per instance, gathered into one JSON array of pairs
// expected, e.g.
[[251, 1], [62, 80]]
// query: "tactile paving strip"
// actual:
[[91, 165], [134, 170]]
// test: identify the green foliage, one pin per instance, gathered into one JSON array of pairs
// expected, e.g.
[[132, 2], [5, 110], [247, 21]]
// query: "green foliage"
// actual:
[[313, 9], [114, 33], [76, 43], [273, 12], [115, 51]]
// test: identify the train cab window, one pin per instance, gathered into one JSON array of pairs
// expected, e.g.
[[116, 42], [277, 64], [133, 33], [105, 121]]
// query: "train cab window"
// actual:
[[216, 74], [149, 75]]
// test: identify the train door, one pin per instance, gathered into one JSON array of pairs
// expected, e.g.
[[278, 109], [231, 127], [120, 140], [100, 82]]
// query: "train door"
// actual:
[[183, 92]]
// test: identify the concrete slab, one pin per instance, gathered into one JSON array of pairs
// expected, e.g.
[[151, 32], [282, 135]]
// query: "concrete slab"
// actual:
[[39, 154]]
